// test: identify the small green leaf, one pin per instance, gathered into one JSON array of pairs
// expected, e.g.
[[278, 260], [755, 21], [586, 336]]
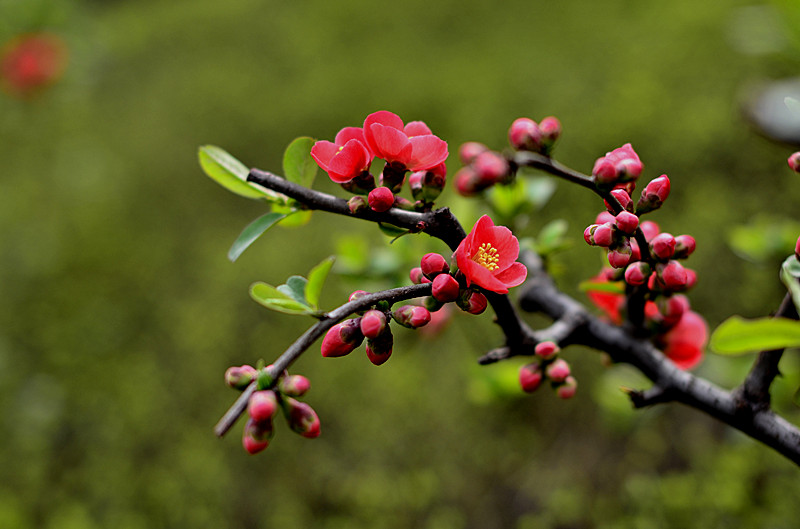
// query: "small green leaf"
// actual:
[[299, 217], [737, 335], [391, 230], [316, 279], [230, 173], [551, 237], [790, 275], [298, 165], [539, 190], [295, 288], [253, 231], [274, 299], [615, 287]]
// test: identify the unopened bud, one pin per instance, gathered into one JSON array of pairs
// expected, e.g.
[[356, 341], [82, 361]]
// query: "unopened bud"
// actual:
[[468, 183], [428, 185], [361, 184], [653, 195], [417, 277], [472, 302], [568, 388], [381, 199], [470, 150], [623, 198], [357, 203], [551, 131], [490, 167], [373, 323], [380, 349], [620, 256], [663, 246], [604, 172], [256, 435], [262, 405], [603, 217], [342, 338], [294, 385], [672, 308], [627, 222], [794, 162], [691, 278], [637, 273], [558, 371], [672, 275], [603, 235], [546, 350], [684, 246], [530, 377], [411, 316], [445, 288], [525, 135], [240, 377], [301, 417], [433, 264], [797, 249], [650, 229]]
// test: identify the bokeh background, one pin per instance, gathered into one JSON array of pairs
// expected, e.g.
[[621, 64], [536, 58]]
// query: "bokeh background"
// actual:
[[119, 311]]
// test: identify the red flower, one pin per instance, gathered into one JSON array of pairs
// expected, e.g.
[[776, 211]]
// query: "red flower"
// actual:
[[346, 158], [684, 343], [412, 145], [32, 61], [487, 257]]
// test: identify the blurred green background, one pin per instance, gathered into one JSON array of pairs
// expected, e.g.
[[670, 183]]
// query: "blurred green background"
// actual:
[[119, 311]]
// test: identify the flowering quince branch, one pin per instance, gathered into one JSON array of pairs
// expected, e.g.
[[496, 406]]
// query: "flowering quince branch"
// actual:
[[647, 323]]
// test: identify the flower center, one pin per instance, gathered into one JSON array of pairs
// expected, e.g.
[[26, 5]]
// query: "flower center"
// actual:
[[487, 257]]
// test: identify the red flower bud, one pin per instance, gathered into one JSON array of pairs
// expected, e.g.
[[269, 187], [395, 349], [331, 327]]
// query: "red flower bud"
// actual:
[[530, 377], [417, 277], [342, 338], [587, 234], [650, 229], [470, 150], [546, 350], [240, 377], [627, 222], [663, 246], [672, 308], [551, 131], [381, 199], [603, 217], [691, 278], [636, 254], [357, 294], [620, 256], [568, 389], [433, 264], [294, 385], [684, 246], [490, 167], [428, 185], [558, 371], [256, 435], [794, 162], [301, 417], [653, 195], [357, 203], [468, 183], [623, 198], [603, 235], [672, 275], [637, 273], [262, 405], [685, 342], [525, 135], [373, 323], [445, 288], [604, 172], [380, 349], [31, 62], [621, 164], [797, 249], [472, 302], [412, 316]]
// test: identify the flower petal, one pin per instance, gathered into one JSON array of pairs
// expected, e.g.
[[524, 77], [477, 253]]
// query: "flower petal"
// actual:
[[350, 133], [513, 275], [416, 128], [482, 277], [349, 162], [322, 152], [390, 144], [428, 151], [385, 118]]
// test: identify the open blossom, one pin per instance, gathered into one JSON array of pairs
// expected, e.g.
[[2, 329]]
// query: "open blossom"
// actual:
[[412, 145], [345, 158], [488, 255]]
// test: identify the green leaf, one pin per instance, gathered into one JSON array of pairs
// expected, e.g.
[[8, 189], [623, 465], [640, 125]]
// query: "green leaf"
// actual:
[[539, 190], [295, 288], [253, 231], [298, 165], [274, 299], [551, 237], [737, 335], [790, 275], [316, 279], [391, 230], [294, 216], [230, 173], [615, 287]]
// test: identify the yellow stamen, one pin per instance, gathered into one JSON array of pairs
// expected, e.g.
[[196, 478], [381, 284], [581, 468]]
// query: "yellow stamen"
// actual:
[[487, 257]]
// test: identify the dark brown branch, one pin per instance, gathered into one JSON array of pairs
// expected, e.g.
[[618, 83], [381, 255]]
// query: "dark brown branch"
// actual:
[[754, 394], [311, 335], [540, 294]]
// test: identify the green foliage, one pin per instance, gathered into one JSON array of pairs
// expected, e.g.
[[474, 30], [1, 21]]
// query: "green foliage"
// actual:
[[790, 275], [737, 335], [253, 231], [231, 174], [298, 295], [764, 239]]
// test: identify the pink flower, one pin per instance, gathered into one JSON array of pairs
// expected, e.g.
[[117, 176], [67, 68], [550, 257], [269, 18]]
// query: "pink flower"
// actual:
[[412, 145], [345, 158], [684, 343], [488, 255]]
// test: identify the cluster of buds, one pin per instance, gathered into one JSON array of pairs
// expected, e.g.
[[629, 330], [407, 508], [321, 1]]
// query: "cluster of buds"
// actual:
[[446, 287], [372, 325], [404, 147], [527, 135], [548, 366], [482, 169], [264, 404]]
